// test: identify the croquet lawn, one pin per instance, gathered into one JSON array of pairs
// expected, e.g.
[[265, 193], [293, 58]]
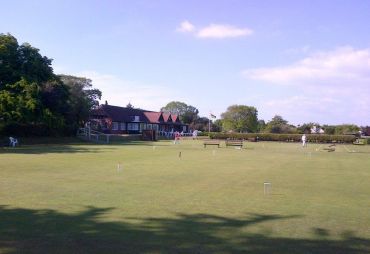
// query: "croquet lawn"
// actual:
[[144, 197]]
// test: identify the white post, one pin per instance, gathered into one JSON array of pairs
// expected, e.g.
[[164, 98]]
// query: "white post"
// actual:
[[266, 188]]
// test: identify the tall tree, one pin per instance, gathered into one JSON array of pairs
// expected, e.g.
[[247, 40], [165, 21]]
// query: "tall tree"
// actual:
[[346, 129], [83, 97], [22, 61], [32, 96], [200, 124], [279, 125], [216, 126], [34, 66], [261, 125], [187, 113], [9, 60], [329, 129], [240, 118]]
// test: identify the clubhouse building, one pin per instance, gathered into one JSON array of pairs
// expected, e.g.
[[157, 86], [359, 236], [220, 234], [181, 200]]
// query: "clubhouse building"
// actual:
[[128, 120]]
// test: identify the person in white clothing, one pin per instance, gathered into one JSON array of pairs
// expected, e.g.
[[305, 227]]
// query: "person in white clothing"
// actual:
[[195, 134], [304, 140]]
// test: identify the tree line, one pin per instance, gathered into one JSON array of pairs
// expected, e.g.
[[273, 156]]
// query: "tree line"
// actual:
[[244, 119], [34, 100]]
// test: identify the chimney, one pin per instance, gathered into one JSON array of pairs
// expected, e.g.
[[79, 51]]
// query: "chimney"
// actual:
[[106, 102]]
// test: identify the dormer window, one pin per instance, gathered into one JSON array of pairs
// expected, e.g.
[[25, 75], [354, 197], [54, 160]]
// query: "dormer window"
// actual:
[[136, 118]]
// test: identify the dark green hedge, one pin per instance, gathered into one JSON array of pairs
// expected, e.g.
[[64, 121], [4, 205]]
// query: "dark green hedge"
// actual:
[[367, 141], [35, 130], [317, 138], [28, 130], [204, 133]]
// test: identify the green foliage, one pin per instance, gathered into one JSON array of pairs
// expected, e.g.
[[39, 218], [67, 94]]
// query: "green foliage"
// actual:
[[216, 125], [187, 113], [279, 125], [82, 98], [22, 61], [33, 100], [306, 127], [240, 118], [34, 67], [261, 125], [9, 60], [316, 138], [200, 124], [20, 102], [346, 129], [366, 141], [329, 129], [28, 130]]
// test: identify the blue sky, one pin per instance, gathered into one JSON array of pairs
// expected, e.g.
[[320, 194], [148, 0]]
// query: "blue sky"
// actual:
[[308, 61]]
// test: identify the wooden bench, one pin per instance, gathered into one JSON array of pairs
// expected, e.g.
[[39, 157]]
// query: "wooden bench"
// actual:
[[211, 143], [234, 143]]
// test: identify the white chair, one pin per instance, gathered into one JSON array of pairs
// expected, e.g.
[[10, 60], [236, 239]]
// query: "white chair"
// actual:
[[13, 141]]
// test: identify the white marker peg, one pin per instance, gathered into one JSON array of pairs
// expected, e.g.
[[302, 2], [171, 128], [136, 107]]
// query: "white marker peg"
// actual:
[[119, 167], [266, 188]]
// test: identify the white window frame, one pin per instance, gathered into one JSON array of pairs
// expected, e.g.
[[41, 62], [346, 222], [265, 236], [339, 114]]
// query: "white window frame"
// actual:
[[115, 126], [123, 126], [133, 127]]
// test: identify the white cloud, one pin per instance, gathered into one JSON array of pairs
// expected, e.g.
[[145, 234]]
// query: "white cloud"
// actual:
[[120, 92], [336, 67], [328, 87], [186, 27], [213, 31], [222, 31], [300, 50], [325, 109]]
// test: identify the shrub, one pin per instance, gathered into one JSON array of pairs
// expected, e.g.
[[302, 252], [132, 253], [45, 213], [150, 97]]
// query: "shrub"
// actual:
[[367, 141], [204, 133], [27, 130], [315, 138]]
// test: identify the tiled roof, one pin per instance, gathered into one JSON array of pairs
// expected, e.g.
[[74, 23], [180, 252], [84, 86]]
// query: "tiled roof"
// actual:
[[153, 117], [121, 114], [167, 117], [175, 118]]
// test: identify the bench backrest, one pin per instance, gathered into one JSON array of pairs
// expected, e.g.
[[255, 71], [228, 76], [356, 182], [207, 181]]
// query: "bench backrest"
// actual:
[[234, 141]]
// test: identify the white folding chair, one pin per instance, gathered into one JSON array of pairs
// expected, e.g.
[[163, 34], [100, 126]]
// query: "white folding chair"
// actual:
[[13, 141]]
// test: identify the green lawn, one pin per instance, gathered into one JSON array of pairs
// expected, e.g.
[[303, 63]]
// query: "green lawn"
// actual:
[[72, 199]]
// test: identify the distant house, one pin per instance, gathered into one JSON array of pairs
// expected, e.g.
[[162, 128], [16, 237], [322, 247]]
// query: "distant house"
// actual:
[[129, 120], [317, 130], [366, 131]]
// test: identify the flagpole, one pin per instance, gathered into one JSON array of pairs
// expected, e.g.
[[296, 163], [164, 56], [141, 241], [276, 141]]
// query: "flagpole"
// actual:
[[209, 120]]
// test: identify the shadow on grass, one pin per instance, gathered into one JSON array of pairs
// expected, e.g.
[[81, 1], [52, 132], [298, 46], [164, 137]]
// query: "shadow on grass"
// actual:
[[44, 149], [77, 146], [48, 231]]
